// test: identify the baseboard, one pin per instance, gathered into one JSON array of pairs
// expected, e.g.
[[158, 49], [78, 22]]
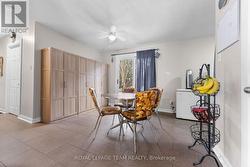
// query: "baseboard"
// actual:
[[223, 160], [3, 110], [165, 110], [28, 119]]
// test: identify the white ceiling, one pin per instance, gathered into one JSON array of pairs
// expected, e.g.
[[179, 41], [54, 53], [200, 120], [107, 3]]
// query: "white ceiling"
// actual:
[[139, 21]]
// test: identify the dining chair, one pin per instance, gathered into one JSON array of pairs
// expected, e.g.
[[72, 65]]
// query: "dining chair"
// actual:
[[103, 111], [157, 104], [144, 105], [123, 104]]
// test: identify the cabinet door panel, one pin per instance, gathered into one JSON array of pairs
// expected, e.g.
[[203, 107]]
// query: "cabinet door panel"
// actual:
[[90, 67], [70, 62], [69, 106], [98, 81], [90, 81], [83, 92], [82, 64], [57, 59], [104, 78], [90, 84], [57, 84], [70, 84], [57, 108]]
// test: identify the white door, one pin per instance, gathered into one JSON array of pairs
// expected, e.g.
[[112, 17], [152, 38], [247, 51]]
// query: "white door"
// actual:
[[125, 67], [245, 83], [13, 78]]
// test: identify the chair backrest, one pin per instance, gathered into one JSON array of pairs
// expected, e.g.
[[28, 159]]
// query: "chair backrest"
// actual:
[[159, 94], [145, 102], [129, 90], [92, 93]]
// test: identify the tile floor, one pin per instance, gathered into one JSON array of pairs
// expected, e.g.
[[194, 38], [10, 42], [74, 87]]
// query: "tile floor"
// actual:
[[67, 143]]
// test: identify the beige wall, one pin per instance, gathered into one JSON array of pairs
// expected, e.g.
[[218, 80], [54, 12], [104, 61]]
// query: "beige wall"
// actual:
[[36, 38], [175, 58], [45, 37], [27, 90], [3, 53], [228, 71]]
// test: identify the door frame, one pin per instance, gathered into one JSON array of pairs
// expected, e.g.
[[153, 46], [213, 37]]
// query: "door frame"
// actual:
[[118, 58], [245, 81], [20, 41]]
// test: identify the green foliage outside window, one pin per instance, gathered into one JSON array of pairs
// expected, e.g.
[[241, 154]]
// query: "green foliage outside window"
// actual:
[[126, 73]]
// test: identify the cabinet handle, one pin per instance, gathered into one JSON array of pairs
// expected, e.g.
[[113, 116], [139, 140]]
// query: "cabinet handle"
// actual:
[[247, 90]]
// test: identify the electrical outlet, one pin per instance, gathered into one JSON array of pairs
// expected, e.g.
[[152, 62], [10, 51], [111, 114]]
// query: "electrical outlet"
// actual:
[[172, 106]]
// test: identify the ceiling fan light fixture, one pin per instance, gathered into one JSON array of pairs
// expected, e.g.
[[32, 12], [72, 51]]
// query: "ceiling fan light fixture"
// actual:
[[112, 37]]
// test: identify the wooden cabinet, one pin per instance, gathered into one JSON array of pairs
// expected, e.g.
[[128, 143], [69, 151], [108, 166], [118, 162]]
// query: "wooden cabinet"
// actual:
[[101, 79], [70, 84], [57, 85], [104, 85], [65, 79], [83, 92], [98, 81], [90, 70], [52, 84]]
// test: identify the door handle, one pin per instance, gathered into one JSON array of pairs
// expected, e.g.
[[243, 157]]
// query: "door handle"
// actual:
[[247, 90]]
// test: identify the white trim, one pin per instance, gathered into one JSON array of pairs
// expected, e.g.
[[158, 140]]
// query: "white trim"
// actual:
[[28, 119], [17, 43], [222, 158], [3, 111], [166, 110], [245, 81]]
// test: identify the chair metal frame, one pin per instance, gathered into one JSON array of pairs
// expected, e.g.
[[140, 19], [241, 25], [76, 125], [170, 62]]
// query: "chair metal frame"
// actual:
[[101, 115], [134, 127], [156, 109]]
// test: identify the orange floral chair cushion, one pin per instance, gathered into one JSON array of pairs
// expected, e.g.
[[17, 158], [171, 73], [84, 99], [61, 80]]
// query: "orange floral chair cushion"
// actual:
[[145, 102], [93, 96], [108, 110], [159, 94]]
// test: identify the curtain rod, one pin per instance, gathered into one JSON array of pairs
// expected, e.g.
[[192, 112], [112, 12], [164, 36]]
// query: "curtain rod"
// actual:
[[117, 54]]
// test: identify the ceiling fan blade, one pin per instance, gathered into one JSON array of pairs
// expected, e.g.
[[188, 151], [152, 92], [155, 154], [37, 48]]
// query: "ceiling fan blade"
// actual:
[[121, 38], [103, 35]]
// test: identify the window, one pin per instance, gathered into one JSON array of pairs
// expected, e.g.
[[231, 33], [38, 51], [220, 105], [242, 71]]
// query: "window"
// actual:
[[125, 71], [126, 74]]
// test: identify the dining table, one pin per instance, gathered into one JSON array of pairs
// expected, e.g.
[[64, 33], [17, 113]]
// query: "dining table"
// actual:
[[120, 96]]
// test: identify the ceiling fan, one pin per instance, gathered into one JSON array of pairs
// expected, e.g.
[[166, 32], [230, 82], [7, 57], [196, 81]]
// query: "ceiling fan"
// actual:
[[112, 35]]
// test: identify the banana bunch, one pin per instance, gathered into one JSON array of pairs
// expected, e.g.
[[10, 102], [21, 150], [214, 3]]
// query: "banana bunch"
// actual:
[[208, 86]]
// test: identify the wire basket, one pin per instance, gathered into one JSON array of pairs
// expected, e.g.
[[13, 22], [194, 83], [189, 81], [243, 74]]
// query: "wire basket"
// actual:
[[201, 112], [201, 133]]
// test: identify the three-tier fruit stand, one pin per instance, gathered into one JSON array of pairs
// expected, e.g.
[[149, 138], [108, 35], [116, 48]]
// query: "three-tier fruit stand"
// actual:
[[207, 112]]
